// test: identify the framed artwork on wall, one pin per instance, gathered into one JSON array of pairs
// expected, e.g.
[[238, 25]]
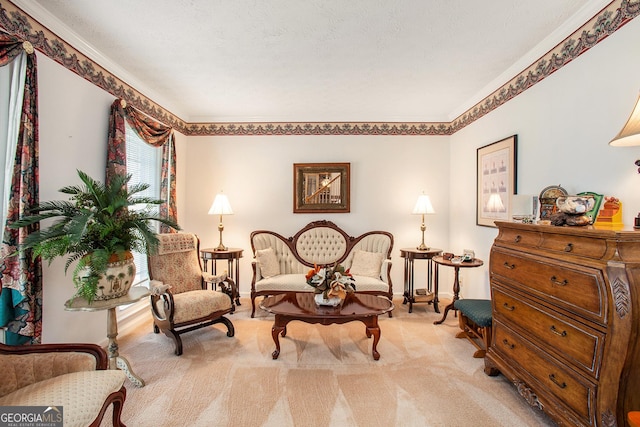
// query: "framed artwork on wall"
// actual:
[[496, 180], [321, 187]]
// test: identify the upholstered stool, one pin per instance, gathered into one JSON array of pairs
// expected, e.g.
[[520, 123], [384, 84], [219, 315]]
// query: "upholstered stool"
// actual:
[[475, 322], [634, 418]]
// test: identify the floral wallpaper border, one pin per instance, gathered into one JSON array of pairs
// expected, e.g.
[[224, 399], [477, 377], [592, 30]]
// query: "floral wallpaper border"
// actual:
[[606, 22]]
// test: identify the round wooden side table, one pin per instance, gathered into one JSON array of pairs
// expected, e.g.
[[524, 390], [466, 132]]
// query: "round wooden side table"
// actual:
[[475, 262], [429, 294]]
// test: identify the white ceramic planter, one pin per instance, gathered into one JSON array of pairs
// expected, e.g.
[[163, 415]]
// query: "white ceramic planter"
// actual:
[[116, 281]]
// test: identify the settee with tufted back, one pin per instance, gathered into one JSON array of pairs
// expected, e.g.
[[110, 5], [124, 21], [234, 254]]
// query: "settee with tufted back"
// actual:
[[280, 264]]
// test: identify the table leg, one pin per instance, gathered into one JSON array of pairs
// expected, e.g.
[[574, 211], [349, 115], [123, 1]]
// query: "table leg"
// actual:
[[456, 296], [115, 360], [279, 327], [406, 281], [412, 298], [123, 364], [373, 330], [236, 277], [436, 285]]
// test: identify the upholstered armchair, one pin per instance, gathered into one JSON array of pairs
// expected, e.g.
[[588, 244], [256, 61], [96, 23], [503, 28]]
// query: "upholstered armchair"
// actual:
[[180, 298], [73, 377]]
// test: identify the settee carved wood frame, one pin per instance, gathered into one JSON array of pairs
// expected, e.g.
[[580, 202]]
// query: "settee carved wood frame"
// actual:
[[291, 244]]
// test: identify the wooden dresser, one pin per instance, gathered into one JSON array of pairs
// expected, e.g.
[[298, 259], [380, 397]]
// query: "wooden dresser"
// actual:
[[566, 320]]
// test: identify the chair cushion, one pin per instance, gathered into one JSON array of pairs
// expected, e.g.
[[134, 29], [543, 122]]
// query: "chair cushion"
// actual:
[[298, 283], [81, 394], [366, 264], [195, 304], [477, 310], [268, 262]]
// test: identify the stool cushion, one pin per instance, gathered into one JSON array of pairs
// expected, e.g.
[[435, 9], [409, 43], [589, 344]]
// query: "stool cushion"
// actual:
[[477, 310]]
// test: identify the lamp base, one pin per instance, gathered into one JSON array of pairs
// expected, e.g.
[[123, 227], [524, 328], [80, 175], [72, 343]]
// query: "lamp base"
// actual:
[[220, 247], [423, 247]]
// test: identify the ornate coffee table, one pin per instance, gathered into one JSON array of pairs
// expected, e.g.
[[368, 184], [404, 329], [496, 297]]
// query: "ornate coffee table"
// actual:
[[301, 306]]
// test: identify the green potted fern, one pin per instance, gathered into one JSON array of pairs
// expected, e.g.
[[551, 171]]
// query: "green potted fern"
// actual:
[[98, 227]]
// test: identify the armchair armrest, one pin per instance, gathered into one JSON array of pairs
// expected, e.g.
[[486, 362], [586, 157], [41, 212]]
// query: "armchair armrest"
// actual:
[[255, 266], [385, 270], [227, 284]]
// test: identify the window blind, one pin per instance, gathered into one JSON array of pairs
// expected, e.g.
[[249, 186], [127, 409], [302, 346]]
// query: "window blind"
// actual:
[[144, 165]]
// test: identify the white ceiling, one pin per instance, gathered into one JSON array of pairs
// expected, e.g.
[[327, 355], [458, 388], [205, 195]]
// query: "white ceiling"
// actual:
[[314, 60]]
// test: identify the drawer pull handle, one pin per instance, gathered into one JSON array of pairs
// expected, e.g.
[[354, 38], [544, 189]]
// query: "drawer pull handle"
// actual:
[[552, 377], [509, 266], [517, 239], [555, 281], [569, 247], [509, 307], [557, 332], [510, 346]]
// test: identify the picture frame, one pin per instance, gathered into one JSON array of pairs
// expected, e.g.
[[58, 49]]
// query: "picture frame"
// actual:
[[496, 168], [321, 187]]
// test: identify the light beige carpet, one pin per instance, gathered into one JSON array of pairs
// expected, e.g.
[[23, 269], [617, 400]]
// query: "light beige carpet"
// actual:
[[325, 376]]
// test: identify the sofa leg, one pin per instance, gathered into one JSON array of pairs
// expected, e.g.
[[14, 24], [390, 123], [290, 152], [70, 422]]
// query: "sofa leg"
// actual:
[[230, 329], [253, 306]]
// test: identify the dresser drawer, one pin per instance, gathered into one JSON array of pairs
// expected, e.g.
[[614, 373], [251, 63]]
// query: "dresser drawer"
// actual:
[[577, 289], [575, 245], [572, 341], [573, 391], [519, 237]]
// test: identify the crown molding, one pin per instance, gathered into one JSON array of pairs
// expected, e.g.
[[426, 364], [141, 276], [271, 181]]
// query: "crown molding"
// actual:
[[588, 11]]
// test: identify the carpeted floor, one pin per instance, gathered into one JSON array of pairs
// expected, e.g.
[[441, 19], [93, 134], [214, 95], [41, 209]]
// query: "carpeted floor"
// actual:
[[325, 376]]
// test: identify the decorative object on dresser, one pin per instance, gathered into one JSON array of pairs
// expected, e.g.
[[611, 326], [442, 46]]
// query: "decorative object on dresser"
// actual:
[[496, 167], [593, 213], [423, 207], [572, 210], [566, 321], [611, 212], [281, 263], [548, 197]]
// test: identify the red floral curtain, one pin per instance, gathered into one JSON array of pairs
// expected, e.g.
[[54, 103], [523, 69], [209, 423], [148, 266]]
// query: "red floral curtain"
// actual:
[[153, 133], [21, 276]]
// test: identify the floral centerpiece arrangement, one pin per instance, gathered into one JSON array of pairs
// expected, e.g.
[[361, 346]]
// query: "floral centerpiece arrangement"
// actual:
[[331, 281]]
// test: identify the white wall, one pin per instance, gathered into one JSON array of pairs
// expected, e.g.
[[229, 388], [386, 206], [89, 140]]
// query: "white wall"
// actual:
[[74, 117], [564, 125], [256, 173]]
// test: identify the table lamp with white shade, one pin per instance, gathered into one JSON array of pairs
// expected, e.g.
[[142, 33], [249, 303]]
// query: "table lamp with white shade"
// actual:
[[221, 207], [423, 206]]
